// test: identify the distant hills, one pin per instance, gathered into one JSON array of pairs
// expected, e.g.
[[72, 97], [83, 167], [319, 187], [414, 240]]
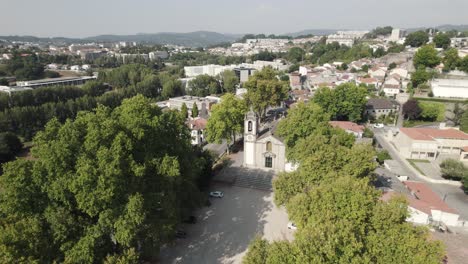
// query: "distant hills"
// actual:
[[446, 27], [190, 39], [315, 32]]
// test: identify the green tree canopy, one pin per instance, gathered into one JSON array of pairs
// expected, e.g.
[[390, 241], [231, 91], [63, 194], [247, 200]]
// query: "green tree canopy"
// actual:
[[10, 146], [264, 90], [417, 39], [420, 76], [453, 169], [442, 40], [464, 122], [295, 54], [229, 81], [345, 102], [204, 85], [451, 59], [194, 110], [301, 122], [226, 120], [426, 57], [100, 187]]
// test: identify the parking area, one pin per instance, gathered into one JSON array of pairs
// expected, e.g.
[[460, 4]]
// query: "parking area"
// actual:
[[225, 229]]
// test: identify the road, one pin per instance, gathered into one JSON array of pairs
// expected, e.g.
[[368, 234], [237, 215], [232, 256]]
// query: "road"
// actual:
[[454, 196]]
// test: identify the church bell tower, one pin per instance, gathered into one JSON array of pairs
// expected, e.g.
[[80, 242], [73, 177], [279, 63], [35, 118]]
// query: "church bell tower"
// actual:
[[250, 138]]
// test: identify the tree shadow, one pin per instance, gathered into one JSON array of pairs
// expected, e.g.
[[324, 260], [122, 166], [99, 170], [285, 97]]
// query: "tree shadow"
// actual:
[[224, 230]]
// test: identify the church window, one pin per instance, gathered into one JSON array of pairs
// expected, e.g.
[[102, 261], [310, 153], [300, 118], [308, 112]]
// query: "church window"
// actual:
[[268, 146], [268, 162]]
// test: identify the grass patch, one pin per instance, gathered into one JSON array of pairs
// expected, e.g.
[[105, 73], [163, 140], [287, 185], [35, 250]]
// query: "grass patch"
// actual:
[[412, 162], [432, 111]]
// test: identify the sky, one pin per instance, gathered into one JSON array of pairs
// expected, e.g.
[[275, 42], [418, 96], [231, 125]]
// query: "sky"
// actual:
[[82, 18]]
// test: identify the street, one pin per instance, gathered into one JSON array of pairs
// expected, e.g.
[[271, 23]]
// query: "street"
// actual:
[[454, 195]]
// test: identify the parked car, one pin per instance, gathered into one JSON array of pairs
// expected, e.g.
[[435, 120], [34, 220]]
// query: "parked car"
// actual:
[[292, 226], [180, 234], [378, 125], [217, 194]]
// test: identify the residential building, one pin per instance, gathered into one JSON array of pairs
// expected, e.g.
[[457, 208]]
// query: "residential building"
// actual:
[[369, 81], [459, 42], [377, 72], [450, 88], [396, 35], [376, 107], [349, 127], [204, 104], [243, 74], [391, 90], [425, 206], [197, 128], [295, 80], [428, 143]]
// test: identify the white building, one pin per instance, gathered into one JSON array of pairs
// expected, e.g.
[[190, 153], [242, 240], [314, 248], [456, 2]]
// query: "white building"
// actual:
[[262, 148], [396, 35], [450, 88], [428, 143], [211, 70]]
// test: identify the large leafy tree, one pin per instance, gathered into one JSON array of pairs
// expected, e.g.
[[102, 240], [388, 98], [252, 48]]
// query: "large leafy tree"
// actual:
[[426, 57], [345, 102], [464, 122], [451, 59], [301, 122], [411, 109], [264, 90], [204, 85], [10, 146], [229, 81], [442, 40], [417, 39], [109, 185], [420, 76], [463, 64], [226, 119], [345, 222], [296, 54]]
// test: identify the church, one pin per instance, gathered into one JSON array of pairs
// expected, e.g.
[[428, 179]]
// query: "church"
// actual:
[[262, 148]]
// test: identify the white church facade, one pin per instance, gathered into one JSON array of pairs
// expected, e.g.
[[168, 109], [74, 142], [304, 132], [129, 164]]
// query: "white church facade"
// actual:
[[263, 149]]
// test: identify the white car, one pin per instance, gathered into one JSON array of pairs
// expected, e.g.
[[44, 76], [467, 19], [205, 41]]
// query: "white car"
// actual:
[[292, 226], [379, 125], [217, 194]]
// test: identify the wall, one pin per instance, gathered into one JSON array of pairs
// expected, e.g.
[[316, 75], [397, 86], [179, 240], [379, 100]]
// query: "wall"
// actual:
[[447, 218]]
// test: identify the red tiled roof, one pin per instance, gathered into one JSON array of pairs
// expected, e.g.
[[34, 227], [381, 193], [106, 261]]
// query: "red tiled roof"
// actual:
[[199, 123], [425, 199], [432, 133], [368, 80], [346, 125], [465, 148], [391, 86]]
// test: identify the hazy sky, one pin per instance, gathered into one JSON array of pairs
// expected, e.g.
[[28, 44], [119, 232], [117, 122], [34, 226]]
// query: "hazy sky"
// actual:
[[79, 18]]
